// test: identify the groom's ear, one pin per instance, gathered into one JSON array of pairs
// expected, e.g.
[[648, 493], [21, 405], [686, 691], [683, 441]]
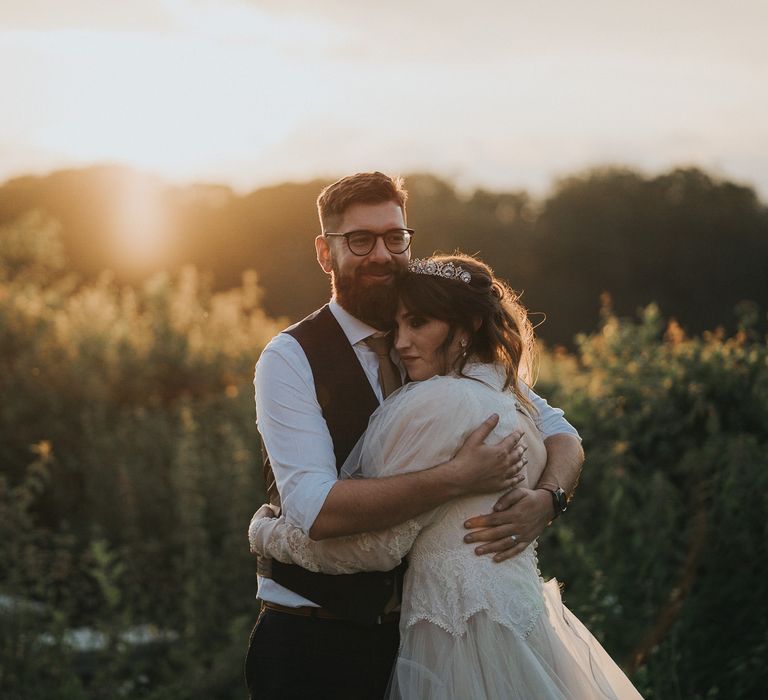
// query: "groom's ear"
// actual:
[[323, 249]]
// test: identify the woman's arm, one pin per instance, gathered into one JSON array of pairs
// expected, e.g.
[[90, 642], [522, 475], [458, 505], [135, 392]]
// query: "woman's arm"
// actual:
[[368, 551]]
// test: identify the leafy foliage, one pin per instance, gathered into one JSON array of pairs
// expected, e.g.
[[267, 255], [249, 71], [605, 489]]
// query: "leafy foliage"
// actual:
[[664, 549], [141, 403], [689, 241], [129, 470]]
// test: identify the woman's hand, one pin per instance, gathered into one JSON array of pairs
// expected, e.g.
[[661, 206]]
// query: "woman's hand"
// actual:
[[265, 511], [521, 516]]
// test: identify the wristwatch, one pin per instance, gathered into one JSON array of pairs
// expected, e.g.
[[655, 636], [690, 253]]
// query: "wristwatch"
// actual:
[[559, 500]]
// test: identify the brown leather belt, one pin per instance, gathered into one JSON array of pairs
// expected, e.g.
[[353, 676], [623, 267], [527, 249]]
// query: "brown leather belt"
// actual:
[[323, 613]]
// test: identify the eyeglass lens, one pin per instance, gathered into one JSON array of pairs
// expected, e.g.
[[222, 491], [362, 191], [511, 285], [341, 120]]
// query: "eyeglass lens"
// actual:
[[363, 242]]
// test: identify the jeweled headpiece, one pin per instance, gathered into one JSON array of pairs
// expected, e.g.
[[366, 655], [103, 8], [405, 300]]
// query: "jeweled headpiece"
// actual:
[[447, 270]]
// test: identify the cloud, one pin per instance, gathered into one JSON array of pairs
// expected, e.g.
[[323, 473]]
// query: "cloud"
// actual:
[[494, 93], [452, 31], [85, 14]]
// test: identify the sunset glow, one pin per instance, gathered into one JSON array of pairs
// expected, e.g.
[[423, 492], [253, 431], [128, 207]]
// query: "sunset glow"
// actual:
[[248, 92], [140, 225]]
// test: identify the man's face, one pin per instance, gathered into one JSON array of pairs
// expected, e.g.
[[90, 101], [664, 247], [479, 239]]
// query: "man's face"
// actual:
[[365, 284]]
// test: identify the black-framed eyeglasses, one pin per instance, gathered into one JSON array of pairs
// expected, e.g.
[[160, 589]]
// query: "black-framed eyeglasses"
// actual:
[[397, 240]]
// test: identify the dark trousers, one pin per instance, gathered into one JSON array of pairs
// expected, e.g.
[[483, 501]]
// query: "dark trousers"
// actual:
[[294, 657]]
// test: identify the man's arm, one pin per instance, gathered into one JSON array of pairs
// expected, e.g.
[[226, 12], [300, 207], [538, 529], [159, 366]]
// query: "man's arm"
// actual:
[[301, 451], [565, 458], [358, 505]]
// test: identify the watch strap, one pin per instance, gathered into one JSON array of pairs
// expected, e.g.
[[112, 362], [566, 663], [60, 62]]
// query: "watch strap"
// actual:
[[559, 499]]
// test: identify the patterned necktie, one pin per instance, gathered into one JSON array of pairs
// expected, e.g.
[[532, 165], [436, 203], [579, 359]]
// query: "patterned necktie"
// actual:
[[389, 374]]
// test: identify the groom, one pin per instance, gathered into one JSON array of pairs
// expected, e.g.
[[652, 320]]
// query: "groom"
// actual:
[[317, 384]]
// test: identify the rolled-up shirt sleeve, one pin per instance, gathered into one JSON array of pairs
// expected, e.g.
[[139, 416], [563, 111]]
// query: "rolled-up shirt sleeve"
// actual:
[[549, 420], [294, 431]]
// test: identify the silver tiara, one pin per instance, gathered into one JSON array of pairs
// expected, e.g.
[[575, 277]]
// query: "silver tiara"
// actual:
[[430, 266]]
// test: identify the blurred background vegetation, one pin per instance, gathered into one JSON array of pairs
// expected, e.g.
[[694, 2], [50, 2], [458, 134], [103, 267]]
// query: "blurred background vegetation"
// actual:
[[129, 458], [692, 243]]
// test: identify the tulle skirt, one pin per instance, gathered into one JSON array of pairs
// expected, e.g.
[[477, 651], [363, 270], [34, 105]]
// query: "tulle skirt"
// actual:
[[557, 659]]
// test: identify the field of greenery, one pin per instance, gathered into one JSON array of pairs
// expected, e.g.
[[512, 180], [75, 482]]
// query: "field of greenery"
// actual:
[[129, 468]]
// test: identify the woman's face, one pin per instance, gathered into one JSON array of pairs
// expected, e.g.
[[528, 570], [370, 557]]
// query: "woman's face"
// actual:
[[419, 341]]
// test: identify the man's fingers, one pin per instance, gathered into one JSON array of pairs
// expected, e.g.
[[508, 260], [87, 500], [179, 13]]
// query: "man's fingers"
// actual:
[[500, 541], [501, 546], [517, 456], [513, 453], [506, 510], [483, 524], [478, 435], [480, 522], [512, 440], [514, 477], [501, 516], [509, 498], [509, 553], [491, 534]]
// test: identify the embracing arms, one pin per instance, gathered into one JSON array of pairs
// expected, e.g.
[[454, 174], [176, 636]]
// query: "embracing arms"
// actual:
[[301, 450], [358, 505]]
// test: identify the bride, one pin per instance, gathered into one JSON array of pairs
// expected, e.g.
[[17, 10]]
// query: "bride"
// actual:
[[470, 628]]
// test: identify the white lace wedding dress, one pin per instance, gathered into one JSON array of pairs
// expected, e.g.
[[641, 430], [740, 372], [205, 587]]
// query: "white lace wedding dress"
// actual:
[[470, 628]]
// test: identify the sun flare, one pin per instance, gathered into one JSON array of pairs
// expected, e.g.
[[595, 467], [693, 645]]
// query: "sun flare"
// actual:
[[140, 223]]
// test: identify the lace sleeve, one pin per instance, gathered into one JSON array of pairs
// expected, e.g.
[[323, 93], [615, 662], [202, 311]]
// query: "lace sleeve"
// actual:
[[368, 551]]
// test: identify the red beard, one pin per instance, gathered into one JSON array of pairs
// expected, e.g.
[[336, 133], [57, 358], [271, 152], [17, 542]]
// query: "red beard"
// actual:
[[374, 304]]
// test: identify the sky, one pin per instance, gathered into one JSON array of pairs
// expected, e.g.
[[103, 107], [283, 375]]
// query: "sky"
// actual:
[[502, 94]]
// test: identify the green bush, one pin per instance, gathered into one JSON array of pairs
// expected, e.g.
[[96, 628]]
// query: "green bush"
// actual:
[[664, 548], [141, 405], [130, 466]]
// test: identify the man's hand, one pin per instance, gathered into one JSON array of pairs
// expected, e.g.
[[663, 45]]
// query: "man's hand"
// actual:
[[521, 516], [481, 468]]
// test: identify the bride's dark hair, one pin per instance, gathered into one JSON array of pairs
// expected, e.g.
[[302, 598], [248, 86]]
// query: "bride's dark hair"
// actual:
[[486, 308]]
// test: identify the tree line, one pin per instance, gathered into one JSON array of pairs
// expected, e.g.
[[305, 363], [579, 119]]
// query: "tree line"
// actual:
[[693, 243]]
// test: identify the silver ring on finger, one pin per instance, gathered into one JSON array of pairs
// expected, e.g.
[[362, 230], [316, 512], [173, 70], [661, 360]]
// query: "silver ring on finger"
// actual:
[[513, 538]]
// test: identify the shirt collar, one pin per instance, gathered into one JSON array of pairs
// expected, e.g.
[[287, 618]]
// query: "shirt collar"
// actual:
[[353, 328], [493, 375]]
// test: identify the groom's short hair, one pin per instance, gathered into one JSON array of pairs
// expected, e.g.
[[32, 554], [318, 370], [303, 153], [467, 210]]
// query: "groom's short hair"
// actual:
[[361, 188]]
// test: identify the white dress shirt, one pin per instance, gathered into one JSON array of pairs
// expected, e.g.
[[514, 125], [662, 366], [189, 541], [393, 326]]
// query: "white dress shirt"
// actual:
[[296, 436]]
